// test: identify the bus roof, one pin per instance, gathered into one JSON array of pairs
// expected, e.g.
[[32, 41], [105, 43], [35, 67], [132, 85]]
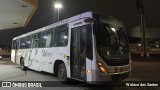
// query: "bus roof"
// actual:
[[71, 19], [90, 14]]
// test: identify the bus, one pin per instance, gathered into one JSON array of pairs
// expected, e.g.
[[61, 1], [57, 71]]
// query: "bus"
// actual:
[[88, 47]]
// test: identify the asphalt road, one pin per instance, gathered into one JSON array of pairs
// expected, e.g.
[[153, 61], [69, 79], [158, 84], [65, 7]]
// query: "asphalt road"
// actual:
[[141, 71]]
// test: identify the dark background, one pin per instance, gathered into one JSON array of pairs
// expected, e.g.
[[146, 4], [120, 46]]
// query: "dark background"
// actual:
[[124, 10]]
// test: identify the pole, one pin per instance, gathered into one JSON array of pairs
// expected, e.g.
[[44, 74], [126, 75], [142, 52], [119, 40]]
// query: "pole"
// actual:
[[144, 37], [58, 14], [140, 7]]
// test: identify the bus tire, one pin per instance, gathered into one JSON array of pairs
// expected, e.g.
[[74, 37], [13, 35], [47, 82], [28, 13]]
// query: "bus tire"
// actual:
[[62, 73], [23, 68]]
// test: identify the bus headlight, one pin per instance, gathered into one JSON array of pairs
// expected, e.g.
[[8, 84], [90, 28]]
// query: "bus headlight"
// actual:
[[102, 68]]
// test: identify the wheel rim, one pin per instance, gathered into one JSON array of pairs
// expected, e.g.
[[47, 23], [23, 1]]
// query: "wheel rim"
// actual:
[[61, 73]]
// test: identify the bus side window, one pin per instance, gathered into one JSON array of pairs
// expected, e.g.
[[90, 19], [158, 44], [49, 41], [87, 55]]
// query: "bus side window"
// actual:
[[53, 36], [22, 43], [89, 45], [38, 39], [33, 42], [13, 44], [46, 38], [17, 44], [61, 34], [28, 42]]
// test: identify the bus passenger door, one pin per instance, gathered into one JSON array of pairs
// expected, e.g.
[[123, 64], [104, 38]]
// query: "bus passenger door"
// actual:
[[78, 53]]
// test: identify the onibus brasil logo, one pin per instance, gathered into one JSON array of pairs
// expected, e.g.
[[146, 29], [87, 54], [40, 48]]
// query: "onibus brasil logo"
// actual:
[[21, 84]]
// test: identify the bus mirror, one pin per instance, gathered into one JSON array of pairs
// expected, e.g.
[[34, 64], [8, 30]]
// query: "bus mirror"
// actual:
[[89, 20]]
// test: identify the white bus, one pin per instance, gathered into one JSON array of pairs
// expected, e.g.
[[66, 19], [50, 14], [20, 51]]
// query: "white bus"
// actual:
[[88, 47]]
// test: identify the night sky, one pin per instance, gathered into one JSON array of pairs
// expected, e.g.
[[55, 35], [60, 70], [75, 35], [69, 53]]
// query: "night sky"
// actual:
[[124, 10]]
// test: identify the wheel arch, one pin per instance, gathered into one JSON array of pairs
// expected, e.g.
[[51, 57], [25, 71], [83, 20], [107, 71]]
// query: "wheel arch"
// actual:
[[20, 60], [56, 65]]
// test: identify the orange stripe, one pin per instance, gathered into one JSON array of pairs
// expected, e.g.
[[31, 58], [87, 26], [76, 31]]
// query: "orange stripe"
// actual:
[[34, 3]]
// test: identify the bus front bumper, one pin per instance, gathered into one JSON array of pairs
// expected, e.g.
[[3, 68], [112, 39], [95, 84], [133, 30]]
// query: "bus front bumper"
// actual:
[[99, 77]]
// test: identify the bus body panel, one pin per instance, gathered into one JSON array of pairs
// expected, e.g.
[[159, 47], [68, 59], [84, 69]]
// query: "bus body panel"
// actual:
[[13, 56], [47, 59], [27, 61], [89, 73]]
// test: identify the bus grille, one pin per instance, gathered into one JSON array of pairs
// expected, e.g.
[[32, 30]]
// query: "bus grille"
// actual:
[[116, 62]]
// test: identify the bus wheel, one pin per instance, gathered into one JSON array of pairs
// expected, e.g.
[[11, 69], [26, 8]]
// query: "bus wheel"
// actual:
[[22, 65], [62, 74]]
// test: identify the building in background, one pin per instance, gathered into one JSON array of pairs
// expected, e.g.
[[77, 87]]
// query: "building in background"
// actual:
[[152, 41], [5, 52]]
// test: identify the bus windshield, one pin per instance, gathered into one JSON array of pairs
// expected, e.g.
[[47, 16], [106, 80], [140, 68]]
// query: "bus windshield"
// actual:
[[112, 41]]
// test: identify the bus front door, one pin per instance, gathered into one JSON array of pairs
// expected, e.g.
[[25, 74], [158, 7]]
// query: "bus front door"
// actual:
[[78, 53]]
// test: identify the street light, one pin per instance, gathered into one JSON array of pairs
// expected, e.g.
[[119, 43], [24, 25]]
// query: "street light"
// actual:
[[140, 7], [58, 6]]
